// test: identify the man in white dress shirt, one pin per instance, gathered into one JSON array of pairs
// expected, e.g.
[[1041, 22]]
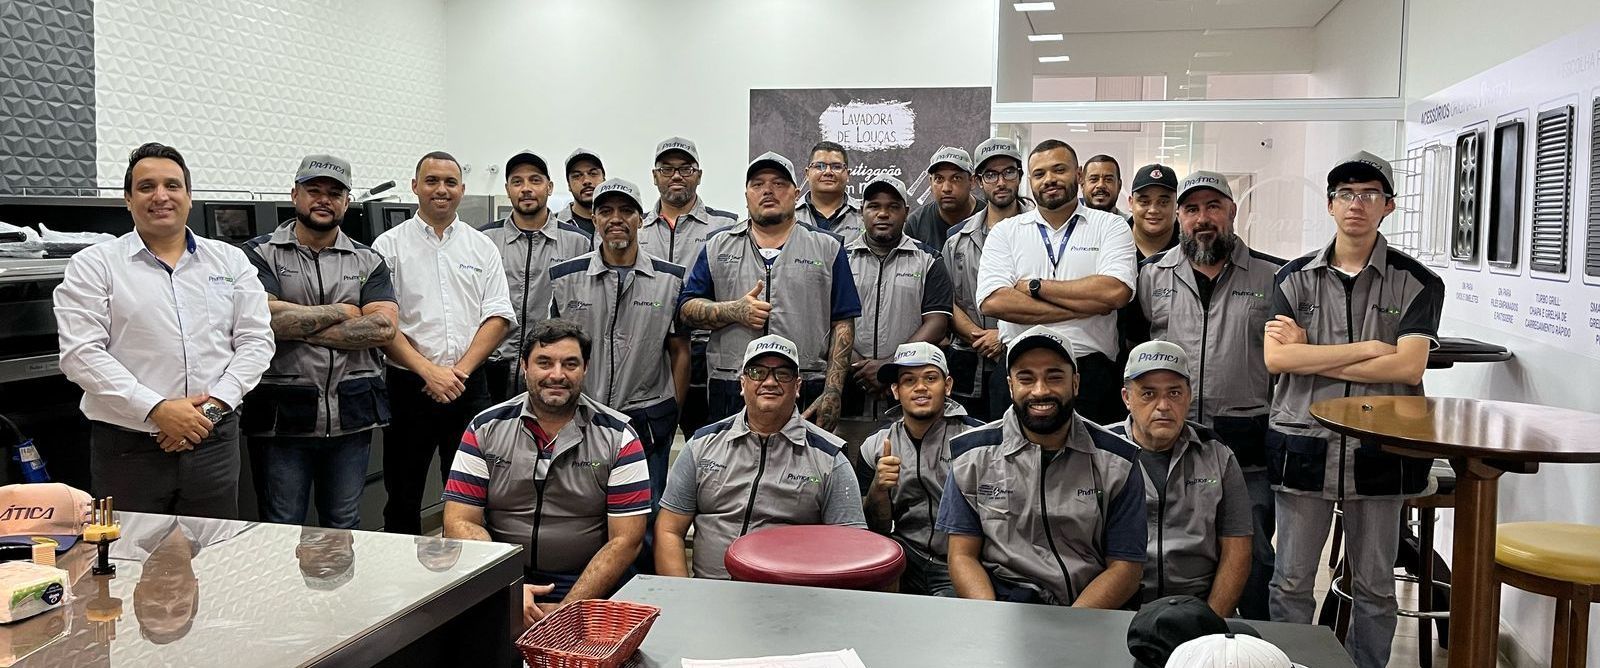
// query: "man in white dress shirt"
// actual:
[[165, 331], [1067, 266], [455, 309]]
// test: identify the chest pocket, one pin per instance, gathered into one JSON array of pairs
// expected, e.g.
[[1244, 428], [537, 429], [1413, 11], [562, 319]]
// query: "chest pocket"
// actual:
[[906, 283], [511, 485], [1383, 310], [219, 296]]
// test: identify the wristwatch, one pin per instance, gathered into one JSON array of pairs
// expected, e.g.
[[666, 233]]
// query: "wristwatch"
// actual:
[[214, 411], [1033, 287]]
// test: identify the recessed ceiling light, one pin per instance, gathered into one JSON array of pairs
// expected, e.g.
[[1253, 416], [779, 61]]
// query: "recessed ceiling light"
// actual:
[[1034, 6], [1053, 37], [1054, 59], [1199, 73], [1191, 86], [1212, 54]]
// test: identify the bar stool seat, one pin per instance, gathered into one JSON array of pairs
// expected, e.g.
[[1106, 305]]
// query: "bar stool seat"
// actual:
[[1561, 561], [834, 557]]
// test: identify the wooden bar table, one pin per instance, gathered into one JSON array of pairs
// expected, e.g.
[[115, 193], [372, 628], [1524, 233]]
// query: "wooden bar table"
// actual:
[[1482, 440]]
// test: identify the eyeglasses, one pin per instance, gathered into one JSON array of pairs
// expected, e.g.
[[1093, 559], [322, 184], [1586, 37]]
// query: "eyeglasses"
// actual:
[[828, 166], [782, 374], [685, 171], [1368, 197], [1009, 174]]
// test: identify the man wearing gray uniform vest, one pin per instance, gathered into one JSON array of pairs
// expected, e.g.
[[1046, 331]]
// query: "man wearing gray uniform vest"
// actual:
[[904, 291], [676, 231], [903, 466], [530, 242], [585, 172], [771, 275], [1199, 511], [1356, 318], [310, 420], [630, 296], [975, 346], [761, 467], [828, 204], [1043, 506], [1210, 296]]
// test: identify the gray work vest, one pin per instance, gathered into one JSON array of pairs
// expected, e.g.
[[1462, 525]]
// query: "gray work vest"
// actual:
[[680, 243], [312, 390], [923, 470], [1184, 543], [527, 258], [1227, 367], [850, 225], [745, 483], [629, 321], [799, 285]]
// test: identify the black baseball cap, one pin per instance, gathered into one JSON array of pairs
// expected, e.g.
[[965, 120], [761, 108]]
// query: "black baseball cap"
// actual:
[[527, 157], [1163, 624], [1155, 175]]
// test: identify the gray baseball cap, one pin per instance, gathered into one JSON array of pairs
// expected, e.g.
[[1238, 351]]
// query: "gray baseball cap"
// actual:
[[955, 157], [1156, 356], [771, 160], [996, 147], [910, 356], [678, 144], [1040, 336], [1202, 180], [771, 344], [582, 152], [323, 165], [889, 182], [1363, 166], [619, 187]]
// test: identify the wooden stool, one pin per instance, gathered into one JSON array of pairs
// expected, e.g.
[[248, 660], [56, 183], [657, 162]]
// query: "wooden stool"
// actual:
[[1561, 561]]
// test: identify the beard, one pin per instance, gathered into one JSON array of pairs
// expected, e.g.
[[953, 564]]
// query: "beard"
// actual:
[[618, 244], [1109, 206], [1053, 203], [1003, 201], [1043, 425], [1208, 254], [529, 210], [679, 198], [305, 219], [767, 220], [537, 396]]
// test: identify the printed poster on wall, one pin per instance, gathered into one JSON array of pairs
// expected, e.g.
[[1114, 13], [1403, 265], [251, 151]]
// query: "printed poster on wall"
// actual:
[[1520, 142], [891, 131]]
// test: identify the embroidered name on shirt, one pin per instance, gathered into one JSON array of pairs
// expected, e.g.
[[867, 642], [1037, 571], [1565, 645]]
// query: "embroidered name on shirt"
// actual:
[[1162, 293], [575, 305], [1200, 481], [709, 466], [729, 258], [1308, 308]]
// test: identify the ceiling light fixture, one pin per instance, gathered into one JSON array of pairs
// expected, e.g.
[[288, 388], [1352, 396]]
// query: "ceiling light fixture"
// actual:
[[1054, 59], [1212, 54], [1052, 37], [1034, 6]]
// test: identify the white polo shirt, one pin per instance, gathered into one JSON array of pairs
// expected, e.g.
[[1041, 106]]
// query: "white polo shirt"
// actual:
[[445, 287], [1101, 243]]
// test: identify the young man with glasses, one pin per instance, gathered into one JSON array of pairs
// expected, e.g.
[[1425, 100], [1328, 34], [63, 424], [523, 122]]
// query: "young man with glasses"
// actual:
[[763, 466], [975, 348], [828, 205], [1356, 318], [950, 189]]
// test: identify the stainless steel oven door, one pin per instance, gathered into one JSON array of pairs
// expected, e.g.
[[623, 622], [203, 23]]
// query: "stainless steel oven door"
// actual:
[[28, 344]]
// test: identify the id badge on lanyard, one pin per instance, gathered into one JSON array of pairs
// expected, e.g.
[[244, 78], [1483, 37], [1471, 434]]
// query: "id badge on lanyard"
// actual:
[[1060, 253]]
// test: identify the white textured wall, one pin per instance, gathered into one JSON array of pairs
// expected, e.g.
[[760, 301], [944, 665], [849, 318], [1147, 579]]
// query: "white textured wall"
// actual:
[[618, 76], [1447, 41], [246, 88]]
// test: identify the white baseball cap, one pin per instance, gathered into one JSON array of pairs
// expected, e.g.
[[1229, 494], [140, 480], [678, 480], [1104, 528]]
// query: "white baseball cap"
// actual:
[[910, 356], [771, 344], [1228, 650]]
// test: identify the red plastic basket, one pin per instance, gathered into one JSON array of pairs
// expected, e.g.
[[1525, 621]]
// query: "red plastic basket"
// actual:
[[588, 634]]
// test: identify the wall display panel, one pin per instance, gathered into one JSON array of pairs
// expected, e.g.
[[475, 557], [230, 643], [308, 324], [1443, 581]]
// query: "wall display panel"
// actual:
[[47, 100], [1525, 152], [1550, 226], [1505, 194], [1469, 182]]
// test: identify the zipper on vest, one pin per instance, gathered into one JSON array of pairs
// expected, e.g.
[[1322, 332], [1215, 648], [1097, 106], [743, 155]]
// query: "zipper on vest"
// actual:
[[761, 468], [611, 375], [327, 386], [538, 515], [522, 324], [1044, 509], [927, 497], [1350, 337]]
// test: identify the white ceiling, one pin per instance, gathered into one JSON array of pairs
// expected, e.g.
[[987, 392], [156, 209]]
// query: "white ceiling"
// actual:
[[1103, 16]]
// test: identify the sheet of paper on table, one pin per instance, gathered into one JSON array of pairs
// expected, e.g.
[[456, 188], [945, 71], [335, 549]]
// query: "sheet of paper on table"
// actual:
[[844, 658]]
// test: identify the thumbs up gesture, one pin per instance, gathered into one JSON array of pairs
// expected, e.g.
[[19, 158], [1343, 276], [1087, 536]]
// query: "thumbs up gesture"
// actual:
[[753, 312], [887, 476]]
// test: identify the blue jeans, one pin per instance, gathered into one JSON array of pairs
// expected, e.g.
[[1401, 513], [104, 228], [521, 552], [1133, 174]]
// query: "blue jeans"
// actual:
[[292, 466]]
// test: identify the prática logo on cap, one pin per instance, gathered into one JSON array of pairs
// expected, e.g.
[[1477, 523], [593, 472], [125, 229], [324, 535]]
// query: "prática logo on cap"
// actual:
[[676, 145], [772, 346], [1204, 179], [1157, 357], [27, 513], [325, 165]]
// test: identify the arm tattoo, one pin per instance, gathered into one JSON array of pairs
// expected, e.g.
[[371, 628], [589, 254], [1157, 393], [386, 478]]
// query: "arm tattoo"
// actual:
[[844, 336], [293, 322], [368, 331], [702, 313]]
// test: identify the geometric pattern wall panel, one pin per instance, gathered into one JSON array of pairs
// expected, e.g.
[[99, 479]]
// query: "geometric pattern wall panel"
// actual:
[[47, 129], [1550, 232], [246, 89]]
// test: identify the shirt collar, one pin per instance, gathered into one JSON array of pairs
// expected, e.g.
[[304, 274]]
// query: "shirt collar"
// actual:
[[794, 431], [1376, 261], [952, 409], [851, 204], [1077, 215], [641, 264], [424, 228], [696, 213], [548, 229], [285, 235], [1014, 440], [907, 243], [136, 243], [581, 418]]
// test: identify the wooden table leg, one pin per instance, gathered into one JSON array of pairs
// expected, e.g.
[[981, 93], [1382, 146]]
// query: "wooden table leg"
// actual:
[[1475, 599]]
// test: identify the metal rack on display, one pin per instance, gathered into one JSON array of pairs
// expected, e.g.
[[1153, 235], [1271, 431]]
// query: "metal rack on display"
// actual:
[[1551, 229], [1469, 182]]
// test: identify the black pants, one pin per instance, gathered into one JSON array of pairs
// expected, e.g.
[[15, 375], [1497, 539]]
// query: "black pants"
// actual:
[[203, 482], [727, 400], [504, 379], [695, 411], [420, 428], [655, 426], [1100, 390]]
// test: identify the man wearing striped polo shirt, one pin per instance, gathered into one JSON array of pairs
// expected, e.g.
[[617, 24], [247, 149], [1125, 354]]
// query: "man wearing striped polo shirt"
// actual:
[[555, 472]]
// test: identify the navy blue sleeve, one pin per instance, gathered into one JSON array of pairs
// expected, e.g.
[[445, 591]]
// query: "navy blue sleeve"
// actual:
[[269, 278], [1280, 299], [957, 516], [1127, 535], [377, 287], [936, 289], [846, 302], [1421, 316], [699, 282]]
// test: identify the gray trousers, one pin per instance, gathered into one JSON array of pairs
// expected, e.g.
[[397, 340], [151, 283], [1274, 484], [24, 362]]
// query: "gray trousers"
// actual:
[[1371, 540], [203, 482]]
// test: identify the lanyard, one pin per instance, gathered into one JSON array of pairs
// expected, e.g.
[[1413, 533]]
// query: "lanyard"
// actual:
[[1055, 260]]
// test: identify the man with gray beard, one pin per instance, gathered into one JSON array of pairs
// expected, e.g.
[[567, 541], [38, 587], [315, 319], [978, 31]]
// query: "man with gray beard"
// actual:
[[1210, 296]]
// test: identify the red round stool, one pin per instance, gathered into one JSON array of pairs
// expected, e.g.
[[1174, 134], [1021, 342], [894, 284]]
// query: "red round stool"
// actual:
[[817, 555]]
